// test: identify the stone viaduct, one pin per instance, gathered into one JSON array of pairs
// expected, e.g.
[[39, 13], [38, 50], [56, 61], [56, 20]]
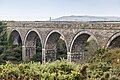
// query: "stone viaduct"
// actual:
[[75, 35]]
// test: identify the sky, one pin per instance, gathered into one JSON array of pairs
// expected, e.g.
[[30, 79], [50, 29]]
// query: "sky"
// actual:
[[37, 10]]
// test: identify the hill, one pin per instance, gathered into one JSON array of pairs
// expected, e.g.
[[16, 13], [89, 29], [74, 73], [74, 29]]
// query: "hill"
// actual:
[[86, 18]]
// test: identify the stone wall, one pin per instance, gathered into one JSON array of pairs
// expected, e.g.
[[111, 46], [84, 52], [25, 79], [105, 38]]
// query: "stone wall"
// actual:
[[102, 32]]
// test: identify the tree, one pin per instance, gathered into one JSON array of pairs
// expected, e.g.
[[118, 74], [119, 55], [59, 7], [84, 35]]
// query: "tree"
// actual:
[[61, 49], [3, 32]]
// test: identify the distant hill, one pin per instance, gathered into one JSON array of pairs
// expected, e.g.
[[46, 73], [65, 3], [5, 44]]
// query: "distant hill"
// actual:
[[86, 18]]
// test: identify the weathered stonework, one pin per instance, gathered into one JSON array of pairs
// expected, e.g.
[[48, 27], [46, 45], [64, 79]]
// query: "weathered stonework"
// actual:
[[75, 35]]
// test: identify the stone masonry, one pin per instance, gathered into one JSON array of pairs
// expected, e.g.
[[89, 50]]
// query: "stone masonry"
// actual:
[[75, 35]]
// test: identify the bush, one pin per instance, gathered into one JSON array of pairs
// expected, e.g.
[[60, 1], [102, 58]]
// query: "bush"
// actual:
[[58, 70], [37, 57], [1, 49]]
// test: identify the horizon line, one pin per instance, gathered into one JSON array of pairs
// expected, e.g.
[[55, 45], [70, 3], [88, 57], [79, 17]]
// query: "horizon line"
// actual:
[[48, 19]]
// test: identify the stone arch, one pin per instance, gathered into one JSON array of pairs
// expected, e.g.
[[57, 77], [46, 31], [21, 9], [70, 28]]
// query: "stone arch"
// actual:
[[33, 31], [50, 45], [15, 36], [15, 44], [80, 45], [113, 41], [32, 39]]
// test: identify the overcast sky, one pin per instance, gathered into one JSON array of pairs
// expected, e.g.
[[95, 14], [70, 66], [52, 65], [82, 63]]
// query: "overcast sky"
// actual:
[[43, 9]]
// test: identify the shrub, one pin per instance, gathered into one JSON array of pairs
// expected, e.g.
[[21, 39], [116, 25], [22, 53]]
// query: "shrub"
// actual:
[[37, 57]]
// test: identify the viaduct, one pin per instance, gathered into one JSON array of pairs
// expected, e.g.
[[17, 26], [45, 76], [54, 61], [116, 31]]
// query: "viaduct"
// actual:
[[74, 34]]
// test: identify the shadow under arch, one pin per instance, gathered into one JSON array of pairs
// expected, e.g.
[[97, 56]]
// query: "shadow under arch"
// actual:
[[33, 46], [32, 30], [113, 41], [82, 47], [55, 40], [15, 34], [15, 45]]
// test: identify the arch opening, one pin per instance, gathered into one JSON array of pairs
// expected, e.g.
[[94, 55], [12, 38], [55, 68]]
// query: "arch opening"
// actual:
[[83, 47], [114, 43], [55, 47], [15, 38], [33, 47], [15, 46]]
